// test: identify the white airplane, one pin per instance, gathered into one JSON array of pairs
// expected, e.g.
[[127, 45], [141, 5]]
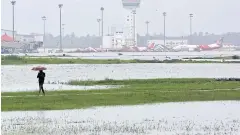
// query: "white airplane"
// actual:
[[185, 48], [157, 47]]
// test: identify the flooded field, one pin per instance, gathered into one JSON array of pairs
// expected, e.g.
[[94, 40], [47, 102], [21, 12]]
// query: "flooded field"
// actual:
[[51, 87], [220, 117], [21, 76], [138, 55]]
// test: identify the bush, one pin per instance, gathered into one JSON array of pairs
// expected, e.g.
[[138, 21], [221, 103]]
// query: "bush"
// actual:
[[11, 57], [70, 62], [235, 57]]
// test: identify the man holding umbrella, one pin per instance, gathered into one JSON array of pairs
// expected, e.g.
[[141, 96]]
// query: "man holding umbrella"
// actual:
[[41, 77]]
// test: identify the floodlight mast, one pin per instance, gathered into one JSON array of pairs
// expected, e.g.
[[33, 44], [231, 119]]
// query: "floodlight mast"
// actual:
[[13, 4], [60, 40]]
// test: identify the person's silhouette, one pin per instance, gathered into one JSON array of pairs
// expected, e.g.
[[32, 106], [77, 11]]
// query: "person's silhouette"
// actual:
[[41, 77]]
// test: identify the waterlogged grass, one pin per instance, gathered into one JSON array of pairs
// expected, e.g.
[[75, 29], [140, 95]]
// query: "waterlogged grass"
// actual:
[[17, 60], [108, 81], [134, 92]]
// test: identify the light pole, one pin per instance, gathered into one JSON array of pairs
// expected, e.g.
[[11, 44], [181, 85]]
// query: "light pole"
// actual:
[[134, 28], [13, 3], [147, 34], [60, 7], [44, 18], [164, 27], [190, 16], [102, 9], [63, 30], [99, 27], [147, 23]]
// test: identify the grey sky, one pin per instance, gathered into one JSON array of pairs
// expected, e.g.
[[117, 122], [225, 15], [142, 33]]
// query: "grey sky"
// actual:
[[80, 16]]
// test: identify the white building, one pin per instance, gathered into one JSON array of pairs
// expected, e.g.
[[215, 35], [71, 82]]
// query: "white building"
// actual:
[[33, 37], [29, 38], [108, 42], [115, 41], [37, 37], [119, 40], [24, 38], [8, 32]]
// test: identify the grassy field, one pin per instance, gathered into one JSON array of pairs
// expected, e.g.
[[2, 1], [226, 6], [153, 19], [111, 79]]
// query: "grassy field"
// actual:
[[133, 92], [16, 60]]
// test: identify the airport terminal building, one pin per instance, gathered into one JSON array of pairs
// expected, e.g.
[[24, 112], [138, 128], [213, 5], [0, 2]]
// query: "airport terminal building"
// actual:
[[20, 42]]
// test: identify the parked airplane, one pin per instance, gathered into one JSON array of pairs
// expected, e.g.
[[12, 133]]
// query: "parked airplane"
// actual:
[[185, 48], [217, 45], [158, 47]]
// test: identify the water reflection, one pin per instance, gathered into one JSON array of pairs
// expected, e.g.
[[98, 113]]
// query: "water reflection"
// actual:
[[168, 118]]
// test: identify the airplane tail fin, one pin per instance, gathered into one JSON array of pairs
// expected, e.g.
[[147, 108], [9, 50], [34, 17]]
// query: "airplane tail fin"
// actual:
[[151, 45], [220, 41]]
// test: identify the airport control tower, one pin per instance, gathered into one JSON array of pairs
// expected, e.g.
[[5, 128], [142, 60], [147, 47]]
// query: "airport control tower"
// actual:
[[130, 25]]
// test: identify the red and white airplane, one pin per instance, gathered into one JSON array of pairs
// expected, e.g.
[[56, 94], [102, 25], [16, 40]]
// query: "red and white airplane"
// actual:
[[217, 45], [157, 47]]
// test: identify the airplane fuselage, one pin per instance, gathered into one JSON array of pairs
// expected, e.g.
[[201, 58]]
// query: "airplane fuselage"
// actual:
[[209, 47], [185, 48]]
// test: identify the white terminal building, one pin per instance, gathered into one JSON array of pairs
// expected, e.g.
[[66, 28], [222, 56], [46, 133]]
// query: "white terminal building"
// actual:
[[128, 36], [114, 41]]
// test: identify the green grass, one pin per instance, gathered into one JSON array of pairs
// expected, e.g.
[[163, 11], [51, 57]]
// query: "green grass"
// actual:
[[134, 92], [16, 60]]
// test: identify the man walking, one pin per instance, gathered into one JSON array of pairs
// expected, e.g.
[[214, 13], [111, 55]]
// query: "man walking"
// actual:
[[41, 77]]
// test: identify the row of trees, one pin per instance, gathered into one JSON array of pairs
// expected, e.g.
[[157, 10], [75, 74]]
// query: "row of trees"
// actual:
[[72, 41]]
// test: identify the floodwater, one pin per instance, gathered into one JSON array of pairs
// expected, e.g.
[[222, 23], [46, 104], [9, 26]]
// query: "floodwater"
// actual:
[[19, 77], [215, 60], [221, 117], [138, 55], [52, 87], [218, 117]]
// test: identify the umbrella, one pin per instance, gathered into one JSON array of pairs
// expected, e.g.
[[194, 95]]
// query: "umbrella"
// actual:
[[39, 68]]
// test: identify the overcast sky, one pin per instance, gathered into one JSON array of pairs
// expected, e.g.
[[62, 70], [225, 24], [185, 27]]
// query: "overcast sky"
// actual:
[[80, 16]]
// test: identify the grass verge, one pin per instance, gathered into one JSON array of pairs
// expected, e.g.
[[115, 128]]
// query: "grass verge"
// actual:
[[16, 60], [134, 92]]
